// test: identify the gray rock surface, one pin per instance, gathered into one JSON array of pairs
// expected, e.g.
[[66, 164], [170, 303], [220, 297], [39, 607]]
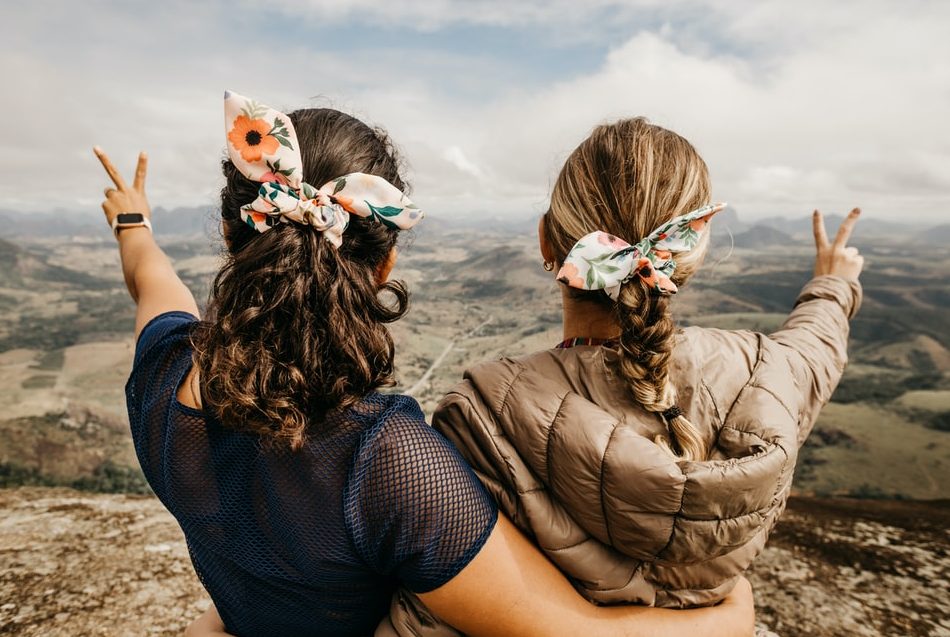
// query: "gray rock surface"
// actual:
[[74, 563]]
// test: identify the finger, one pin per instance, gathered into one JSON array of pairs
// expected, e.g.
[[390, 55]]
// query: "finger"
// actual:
[[851, 251], [844, 232], [140, 170], [108, 190], [818, 223], [107, 164]]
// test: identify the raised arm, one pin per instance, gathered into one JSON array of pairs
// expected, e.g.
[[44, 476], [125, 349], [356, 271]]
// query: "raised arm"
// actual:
[[149, 276], [815, 334]]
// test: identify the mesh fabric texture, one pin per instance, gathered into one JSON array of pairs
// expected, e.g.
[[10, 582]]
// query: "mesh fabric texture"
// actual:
[[312, 542]]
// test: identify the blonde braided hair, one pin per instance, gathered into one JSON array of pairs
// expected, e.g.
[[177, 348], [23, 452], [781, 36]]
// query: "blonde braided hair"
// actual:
[[626, 179]]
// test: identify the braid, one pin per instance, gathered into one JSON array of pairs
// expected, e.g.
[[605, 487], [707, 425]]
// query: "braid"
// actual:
[[626, 179], [646, 345]]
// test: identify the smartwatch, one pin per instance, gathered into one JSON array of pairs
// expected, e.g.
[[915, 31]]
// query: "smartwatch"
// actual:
[[129, 220]]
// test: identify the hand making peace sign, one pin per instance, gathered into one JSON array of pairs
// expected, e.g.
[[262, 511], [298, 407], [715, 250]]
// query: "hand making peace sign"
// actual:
[[837, 258], [122, 198]]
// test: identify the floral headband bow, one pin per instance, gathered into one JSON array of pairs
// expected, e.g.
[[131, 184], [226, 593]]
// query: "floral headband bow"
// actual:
[[600, 261], [262, 143]]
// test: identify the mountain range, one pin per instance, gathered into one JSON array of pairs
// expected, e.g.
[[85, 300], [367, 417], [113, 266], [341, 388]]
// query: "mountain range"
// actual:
[[201, 221]]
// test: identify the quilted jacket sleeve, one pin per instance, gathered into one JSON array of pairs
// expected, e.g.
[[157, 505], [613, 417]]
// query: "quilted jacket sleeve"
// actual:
[[463, 417], [815, 340]]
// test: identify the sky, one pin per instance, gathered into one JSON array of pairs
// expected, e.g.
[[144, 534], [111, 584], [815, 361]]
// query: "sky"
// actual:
[[793, 105]]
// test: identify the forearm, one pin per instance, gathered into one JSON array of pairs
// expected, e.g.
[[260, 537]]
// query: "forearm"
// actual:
[[141, 257], [151, 279], [556, 611], [631, 621], [510, 589], [570, 614]]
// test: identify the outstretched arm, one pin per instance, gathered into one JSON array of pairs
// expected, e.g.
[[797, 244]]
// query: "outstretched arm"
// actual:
[[815, 334], [149, 276]]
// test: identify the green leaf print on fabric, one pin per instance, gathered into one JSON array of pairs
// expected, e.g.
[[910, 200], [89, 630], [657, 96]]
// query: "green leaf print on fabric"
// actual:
[[593, 281], [277, 170], [380, 213], [385, 211], [601, 258], [280, 133], [690, 237], [597, 269], [254, 110]]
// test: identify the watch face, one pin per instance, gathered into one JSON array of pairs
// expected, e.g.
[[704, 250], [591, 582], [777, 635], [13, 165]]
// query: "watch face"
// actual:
[[130, 217]]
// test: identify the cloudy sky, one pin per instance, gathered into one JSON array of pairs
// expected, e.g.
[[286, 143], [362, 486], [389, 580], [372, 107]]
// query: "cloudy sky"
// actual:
[[792, 104]]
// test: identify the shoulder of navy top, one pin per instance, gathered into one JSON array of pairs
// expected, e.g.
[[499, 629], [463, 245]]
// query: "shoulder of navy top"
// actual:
[[376, 498]]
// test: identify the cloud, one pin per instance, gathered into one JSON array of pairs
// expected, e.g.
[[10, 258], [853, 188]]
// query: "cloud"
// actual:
[[455, 156], [856, 119], [431, 15], [793, 107]]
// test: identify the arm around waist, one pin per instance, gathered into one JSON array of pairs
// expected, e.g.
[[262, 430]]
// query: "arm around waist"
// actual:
[[511, 589]]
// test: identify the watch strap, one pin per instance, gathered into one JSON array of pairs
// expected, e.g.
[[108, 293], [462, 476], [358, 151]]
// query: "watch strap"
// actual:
[[140, 220]]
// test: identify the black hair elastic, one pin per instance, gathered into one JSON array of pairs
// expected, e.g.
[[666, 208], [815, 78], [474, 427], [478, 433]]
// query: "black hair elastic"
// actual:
[[671, 413]]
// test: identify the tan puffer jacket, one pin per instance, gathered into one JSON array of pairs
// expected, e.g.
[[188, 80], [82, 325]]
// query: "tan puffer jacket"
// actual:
[[560, 443]]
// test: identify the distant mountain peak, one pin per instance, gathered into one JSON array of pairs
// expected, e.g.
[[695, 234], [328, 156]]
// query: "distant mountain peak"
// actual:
[[761, 235]]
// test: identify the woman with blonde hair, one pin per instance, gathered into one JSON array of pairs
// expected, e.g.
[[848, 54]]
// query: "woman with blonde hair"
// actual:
[[306, 496], [648, 462]]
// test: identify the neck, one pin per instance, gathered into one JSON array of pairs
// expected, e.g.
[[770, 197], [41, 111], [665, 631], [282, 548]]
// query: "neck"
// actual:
[[587, 319]]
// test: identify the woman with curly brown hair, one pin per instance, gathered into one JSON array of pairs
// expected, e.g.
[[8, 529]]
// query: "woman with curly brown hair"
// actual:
[[306, 496]]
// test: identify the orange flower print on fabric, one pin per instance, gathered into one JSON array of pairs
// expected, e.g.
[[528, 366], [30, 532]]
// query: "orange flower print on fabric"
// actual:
[[647, 272], [250, 138], [346, 202], [664, 285], [611, 241], [569, 274], [263, 146]]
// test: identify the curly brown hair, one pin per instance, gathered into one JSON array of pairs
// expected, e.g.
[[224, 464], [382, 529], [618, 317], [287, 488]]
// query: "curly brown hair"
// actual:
[[295, 327]]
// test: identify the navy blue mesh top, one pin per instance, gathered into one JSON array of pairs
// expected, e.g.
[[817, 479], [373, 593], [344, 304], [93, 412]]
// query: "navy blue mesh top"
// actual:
[[312, 542]]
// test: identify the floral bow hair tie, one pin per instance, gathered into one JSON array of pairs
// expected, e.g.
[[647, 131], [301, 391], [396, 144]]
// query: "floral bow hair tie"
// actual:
[[263, 145], [600, 261]]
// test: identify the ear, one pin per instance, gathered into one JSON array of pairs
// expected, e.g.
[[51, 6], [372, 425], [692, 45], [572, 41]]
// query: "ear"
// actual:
[[386, 267], [546, 253]]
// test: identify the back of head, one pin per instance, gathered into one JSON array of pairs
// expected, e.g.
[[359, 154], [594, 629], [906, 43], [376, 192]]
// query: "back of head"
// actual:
[[296, 327], [627, 179]]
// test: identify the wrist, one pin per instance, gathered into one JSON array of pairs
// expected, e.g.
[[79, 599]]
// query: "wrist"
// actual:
[[131, 231], [125, 221]]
